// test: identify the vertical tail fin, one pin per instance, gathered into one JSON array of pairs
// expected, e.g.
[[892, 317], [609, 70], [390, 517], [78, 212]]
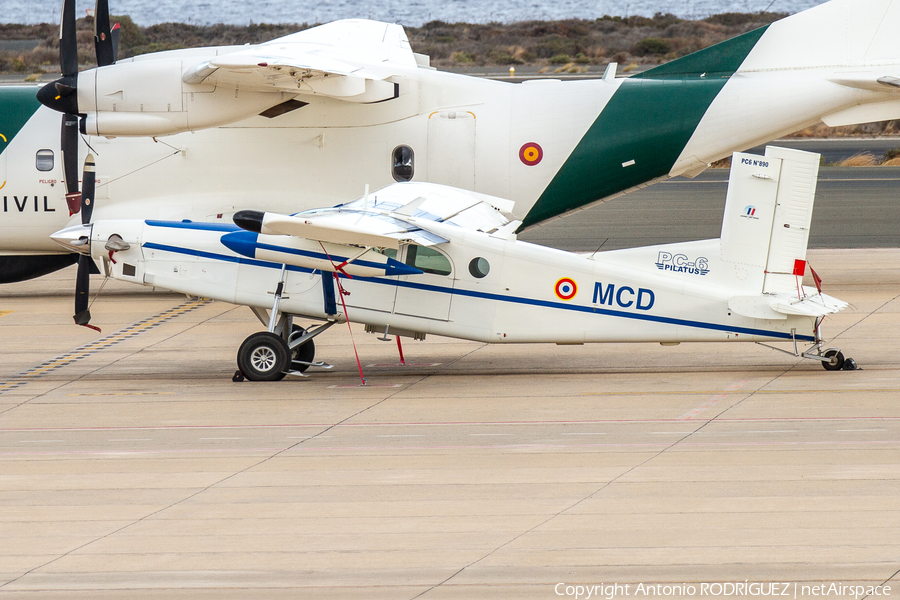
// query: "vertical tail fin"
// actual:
[[793, 215], [767, 216]]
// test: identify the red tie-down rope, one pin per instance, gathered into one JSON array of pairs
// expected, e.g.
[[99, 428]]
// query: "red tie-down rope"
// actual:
[[343, 292]]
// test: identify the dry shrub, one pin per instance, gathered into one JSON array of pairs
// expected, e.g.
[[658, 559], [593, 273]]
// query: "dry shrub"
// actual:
[[871, 129], [863, 159], [894, 162]]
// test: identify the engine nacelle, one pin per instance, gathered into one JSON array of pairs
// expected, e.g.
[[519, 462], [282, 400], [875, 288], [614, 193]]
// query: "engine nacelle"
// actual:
[[149, 98]]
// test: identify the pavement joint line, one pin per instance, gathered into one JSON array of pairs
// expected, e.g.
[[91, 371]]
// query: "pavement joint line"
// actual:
[[663, 448], [273, 453], [866, 317], [444, 424], [89, 349], [695, 412]]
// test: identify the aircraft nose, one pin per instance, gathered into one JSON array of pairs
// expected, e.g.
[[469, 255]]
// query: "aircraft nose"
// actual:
[[74, 239], [61, 95]]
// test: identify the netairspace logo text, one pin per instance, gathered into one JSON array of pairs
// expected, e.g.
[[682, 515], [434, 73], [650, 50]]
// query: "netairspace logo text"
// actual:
[[736, 589]]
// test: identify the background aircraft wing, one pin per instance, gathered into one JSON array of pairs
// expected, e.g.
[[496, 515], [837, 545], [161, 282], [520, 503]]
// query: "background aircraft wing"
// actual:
[[350, 60]]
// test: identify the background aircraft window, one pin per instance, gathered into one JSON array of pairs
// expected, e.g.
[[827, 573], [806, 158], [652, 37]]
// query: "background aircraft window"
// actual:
[[427, 260], [404, 163], [44, 160], [479, 267]]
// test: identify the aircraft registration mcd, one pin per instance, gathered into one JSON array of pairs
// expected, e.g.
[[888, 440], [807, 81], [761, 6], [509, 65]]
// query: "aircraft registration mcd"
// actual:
[[309, 119], [417, 258]]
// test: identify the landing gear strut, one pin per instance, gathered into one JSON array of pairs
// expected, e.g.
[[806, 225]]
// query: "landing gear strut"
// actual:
[[285, 349], [832, 359]]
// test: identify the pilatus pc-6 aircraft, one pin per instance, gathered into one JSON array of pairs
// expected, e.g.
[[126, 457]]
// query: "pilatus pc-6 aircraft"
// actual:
[[309, 119], [419, 258]]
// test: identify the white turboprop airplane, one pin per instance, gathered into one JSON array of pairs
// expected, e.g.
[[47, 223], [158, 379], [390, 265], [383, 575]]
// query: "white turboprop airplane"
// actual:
[[311, 118], [415, 259]]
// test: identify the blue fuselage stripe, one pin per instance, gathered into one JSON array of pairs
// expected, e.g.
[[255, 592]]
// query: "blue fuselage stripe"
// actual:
[[226, 227], [501, 297]]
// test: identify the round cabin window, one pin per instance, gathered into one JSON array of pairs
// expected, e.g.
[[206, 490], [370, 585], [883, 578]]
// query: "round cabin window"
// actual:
[[479, 267]]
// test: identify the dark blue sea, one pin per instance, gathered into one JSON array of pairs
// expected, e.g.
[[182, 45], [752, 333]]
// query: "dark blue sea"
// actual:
[[405, 12]]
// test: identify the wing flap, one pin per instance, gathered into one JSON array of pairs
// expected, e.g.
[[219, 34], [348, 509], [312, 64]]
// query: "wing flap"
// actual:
[[349, 60]]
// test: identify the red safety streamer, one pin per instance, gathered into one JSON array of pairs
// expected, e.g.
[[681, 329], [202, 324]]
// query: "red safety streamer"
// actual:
[[400, 348], [342, 292], [817, 279]]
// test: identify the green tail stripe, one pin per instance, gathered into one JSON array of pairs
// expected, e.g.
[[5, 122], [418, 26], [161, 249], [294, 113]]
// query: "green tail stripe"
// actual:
[[17, 105], [724, 58], [649, 120]]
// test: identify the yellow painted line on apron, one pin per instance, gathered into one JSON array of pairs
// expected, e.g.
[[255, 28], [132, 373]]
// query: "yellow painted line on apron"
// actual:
[[90, 348]]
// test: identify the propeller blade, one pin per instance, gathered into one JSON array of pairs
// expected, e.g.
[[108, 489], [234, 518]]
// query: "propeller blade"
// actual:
[[103, 40], [82, 291], [116, 30], [69, 145], [68, 43], [88, 184]]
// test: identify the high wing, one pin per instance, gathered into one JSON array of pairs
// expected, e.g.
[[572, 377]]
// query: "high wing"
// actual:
[[344, 238], [350, 59]]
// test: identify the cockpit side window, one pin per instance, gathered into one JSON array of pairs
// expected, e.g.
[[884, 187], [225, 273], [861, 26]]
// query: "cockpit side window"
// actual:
[[428, 260]]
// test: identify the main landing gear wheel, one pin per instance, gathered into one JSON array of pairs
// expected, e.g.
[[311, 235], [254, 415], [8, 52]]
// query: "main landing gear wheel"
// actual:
[[264, 356], [302, 354], [837, 360]]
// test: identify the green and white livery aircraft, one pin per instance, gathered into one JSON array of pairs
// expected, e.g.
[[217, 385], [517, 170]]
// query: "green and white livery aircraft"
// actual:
[[310, 119]]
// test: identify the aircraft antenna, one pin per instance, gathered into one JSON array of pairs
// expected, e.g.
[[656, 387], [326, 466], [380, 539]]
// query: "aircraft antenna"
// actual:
[[762, 12]]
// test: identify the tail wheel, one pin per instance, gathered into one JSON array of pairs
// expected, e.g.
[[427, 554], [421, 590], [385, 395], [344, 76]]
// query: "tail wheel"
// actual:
[[836, 362], [304, 353], [263, 356]]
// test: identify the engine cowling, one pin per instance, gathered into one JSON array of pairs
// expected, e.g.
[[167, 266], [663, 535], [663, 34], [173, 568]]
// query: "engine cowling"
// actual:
[[150, 98]]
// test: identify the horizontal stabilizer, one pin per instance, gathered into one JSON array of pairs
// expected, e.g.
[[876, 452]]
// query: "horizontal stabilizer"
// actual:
[[779, 307], [811, 306]]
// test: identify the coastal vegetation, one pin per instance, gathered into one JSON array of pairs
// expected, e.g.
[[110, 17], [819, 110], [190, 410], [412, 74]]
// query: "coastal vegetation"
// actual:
[[574, 44]]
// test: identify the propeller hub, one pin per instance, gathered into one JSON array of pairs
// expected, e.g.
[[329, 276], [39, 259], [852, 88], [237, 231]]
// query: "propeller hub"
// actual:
[[76, 238], [61, 95]]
